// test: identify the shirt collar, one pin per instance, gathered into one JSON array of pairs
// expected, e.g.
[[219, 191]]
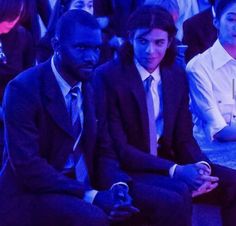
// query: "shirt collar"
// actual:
[[213, 12], [64, 86], [219, 55], [145, 74]]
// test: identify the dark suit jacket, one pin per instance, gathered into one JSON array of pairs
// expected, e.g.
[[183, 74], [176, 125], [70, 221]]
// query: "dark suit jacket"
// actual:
[[39, 139], [199, 33], [128, 118]]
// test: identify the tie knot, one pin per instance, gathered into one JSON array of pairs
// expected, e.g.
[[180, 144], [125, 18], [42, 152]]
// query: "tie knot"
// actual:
[[74, 91], [148, 82]]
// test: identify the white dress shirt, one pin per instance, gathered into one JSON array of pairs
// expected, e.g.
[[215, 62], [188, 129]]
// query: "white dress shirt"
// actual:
[[156, 95], [212, 79], [80, 166]]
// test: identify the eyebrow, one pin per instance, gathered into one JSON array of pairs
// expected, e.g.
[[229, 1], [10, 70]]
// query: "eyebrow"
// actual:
[[231, 13]]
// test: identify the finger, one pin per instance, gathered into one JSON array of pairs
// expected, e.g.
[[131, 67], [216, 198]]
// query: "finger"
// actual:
[[196, 193], [203, 168], [205, 188], [212, 187], [209, 178], [196, 184]]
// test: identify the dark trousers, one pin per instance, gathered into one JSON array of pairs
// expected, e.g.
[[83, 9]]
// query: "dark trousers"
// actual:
[[53, 210], [224, 195], [162, 200]]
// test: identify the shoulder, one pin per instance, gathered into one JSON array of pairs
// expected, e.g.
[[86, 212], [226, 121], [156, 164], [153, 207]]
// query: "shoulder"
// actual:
[[29, 80], [111, 70], [200, 61], [200, 17], [108, 67]]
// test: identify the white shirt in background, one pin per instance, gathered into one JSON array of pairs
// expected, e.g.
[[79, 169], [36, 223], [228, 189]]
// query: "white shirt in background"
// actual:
[[212, 80]]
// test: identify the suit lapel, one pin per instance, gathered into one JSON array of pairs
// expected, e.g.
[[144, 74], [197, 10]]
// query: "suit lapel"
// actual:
[[88, 136], [169, 99], [89, 127], [137, 89], [54, 100]]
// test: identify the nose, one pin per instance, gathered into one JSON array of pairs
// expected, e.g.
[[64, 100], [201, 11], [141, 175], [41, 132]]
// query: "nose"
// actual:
[[150, 48], [91, 56]]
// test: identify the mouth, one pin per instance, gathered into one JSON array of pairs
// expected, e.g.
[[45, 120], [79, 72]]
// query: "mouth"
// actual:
[[150, 60]]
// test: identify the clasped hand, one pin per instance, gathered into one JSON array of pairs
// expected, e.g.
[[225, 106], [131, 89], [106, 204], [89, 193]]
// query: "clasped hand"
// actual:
[[198, 177], [116, 202]]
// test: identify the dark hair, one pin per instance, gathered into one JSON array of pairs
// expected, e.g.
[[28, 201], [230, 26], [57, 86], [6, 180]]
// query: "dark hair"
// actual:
[[151, 17], [10, 9], [74, 17], [169, 5], [221, 5]]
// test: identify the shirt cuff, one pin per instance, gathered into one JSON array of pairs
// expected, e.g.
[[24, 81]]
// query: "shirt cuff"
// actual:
[[89, 196], [120, 183], [172, 170]]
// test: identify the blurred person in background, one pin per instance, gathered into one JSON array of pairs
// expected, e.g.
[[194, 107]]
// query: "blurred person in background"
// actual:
[[44, 47], [30, 17], [199, 32], [212, 76], [16, 48]]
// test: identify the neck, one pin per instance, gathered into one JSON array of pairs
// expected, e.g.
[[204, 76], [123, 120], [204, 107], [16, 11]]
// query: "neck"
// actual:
[[230, 48]]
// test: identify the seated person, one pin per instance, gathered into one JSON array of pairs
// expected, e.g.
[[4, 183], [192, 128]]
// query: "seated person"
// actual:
[[16, 48], [51, 129], [149, 119], [199, 32], [212, 76]]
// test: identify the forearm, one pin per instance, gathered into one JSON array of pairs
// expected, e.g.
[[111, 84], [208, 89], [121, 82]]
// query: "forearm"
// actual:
[[228, 133], [138, 160]]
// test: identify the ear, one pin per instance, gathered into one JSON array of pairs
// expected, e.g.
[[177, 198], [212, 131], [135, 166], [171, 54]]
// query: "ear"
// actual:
[[131, 38], [55, 44], [216, 23]]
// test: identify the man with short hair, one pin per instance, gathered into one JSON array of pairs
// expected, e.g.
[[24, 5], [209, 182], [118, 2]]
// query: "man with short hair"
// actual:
[[51, 133]]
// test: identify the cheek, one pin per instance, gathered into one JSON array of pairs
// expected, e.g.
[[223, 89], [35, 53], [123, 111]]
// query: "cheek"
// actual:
[[138, 50]]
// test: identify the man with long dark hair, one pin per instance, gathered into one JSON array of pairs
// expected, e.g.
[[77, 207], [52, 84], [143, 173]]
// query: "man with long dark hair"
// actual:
[[149, 119]]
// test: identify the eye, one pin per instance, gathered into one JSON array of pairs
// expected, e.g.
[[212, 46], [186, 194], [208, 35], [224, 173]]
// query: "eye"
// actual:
[[231, 18], [160, 42], [142, 41], [90, 5], [80, 47]]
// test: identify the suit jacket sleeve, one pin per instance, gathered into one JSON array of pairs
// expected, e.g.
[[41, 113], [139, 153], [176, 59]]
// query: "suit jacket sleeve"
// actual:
[[108, 166], [185, 145], [23, 145]]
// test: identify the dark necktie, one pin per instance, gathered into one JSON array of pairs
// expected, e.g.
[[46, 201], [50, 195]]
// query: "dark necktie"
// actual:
[[78, 158], [74, 111], [151, 116]]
